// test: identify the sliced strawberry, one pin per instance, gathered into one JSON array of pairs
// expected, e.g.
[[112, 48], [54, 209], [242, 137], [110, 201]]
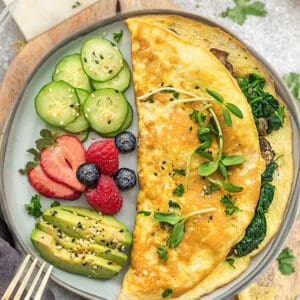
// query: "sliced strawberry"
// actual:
[[49, 188], [61, 161]]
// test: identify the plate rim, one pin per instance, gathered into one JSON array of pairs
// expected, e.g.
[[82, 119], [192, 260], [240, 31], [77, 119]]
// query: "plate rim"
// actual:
[[292, 207]]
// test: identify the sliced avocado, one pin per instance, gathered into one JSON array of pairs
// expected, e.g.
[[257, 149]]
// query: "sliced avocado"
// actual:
[[81, 245], [82, 227], [85, 264], [95, 215]]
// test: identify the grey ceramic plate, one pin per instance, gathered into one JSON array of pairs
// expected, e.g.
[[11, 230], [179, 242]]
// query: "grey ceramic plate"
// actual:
[[23, 127]]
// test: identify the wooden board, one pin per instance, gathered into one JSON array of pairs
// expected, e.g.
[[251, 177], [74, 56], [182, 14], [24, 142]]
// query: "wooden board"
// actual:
[[22, 66]]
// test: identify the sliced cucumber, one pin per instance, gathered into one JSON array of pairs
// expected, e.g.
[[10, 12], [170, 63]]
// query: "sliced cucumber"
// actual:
[[101, 60], [128, 119], [82, 95], [80, 124], [126, 123], [57, 103], [106, 110], [69, 69], [120, 82]]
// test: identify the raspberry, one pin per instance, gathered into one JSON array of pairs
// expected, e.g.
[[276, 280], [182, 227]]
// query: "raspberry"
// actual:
[[105, 155], [106, 198]]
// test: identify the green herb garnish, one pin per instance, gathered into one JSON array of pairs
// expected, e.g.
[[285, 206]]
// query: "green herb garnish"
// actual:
[[174, 204], [230, 207], [242, 9], [34, 206], [230, 261], [162, 252], [144, 212], [55, 203], [178, 222], [166, 293], [285, 262], [76, 4], [179, 190], [178, 172], [118, 36], [293, 82]]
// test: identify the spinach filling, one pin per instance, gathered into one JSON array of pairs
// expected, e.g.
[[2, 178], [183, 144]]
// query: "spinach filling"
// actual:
[[263, 105]]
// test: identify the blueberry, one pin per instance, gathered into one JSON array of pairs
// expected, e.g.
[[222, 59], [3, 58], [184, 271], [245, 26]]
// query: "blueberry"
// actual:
[[125, 141], [125, 178], [88, 174]]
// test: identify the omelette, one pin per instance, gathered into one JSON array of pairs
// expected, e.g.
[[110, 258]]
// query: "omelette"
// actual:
[[179, 67]]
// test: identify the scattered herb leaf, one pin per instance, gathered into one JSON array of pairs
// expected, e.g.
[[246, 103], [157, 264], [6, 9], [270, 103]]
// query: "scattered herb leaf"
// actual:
[[227, 117], [34, 206], [266, 197], [179, 190], [230, 207], [176, 235], [285, 261], [293, 82], [145, 213], [230, 261], [76, 4], [118, 36], [211, 188], [232, 160], [231, 188], [170, 217], [162, 252], [235, 110], [243, 8], [178, 172], [55, 203], [174, 204], [166, 293], [207, 168], [215, 95]]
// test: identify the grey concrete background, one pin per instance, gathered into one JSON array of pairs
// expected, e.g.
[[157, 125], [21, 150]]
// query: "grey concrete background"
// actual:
[[276, 37]]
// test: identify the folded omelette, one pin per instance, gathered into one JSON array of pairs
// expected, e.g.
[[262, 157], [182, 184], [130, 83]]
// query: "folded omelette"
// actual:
[[179, 67]]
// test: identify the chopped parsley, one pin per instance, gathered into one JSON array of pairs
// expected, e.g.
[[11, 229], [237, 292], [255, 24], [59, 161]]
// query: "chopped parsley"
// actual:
[[242, 9], [178, 172], [285, 261], [55, 203], [230, 261], [293, 82], [166, 293], [230, 207], [118, 36], [179, 190], [76, 4], [34, 206], [162, 252], [144, 212], [174, 204]]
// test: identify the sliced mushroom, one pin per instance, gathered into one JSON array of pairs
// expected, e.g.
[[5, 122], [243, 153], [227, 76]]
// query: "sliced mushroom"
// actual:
[[222, 56], [262, 126], [266, 150]]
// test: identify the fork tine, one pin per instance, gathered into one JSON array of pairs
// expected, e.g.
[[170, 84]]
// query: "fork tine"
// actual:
[[25, 281], [15, 280], [40, 291], [35, 281]]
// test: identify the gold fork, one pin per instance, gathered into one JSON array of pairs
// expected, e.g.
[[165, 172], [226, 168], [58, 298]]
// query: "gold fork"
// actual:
[[24, 282]]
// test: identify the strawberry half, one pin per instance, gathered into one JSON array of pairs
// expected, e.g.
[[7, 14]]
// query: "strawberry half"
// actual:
[[61, 161], [49, 188]]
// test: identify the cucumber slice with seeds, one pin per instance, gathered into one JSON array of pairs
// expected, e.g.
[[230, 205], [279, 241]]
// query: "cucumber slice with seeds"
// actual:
[[80, 123], [125, 125], [101, 60], [82, 95], [69, 69], [57, 103], [106, 110], [120, 82]]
